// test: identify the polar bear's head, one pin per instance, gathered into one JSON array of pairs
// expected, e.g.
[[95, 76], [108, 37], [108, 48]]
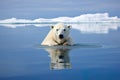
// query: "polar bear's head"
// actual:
[[61, 31]]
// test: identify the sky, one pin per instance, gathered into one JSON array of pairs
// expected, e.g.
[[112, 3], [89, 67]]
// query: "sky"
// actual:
[[32, 9]]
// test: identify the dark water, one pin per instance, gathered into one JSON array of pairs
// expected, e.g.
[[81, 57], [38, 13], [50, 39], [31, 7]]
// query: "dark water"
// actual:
[[97, 57]]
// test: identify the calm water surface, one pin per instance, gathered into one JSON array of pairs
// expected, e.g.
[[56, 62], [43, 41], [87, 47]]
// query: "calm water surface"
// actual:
[[97, 57]]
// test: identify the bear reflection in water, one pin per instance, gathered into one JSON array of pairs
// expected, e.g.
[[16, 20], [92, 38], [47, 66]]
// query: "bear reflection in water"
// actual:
[[59, 58]]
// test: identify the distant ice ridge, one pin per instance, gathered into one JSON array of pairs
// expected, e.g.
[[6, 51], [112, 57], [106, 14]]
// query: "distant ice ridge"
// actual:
[[99, 23], [98, 17]]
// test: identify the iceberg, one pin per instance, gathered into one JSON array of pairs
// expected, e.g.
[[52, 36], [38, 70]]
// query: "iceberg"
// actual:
[[14, 20], [98, 17], [99, 23]]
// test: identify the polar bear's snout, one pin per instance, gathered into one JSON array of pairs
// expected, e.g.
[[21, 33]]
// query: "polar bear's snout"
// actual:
[[61, 56], [61, 36]]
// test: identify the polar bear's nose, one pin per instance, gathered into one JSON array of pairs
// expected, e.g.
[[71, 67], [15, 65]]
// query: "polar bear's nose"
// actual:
[[61, 56], [61, 36]]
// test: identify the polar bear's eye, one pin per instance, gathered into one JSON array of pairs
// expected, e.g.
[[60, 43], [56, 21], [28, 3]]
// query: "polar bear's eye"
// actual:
[[57, 29], [64, 29]]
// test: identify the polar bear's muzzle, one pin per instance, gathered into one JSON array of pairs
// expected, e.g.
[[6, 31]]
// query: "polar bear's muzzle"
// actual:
[[61, 36]]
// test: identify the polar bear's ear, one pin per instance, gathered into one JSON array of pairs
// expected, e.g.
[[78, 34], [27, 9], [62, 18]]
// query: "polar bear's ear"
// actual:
[[69, 26], [52, 27]]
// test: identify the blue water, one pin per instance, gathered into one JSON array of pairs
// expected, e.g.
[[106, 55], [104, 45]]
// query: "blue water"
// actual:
[[97, 57]]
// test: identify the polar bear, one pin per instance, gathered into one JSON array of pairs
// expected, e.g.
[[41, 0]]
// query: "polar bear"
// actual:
[[58, 35]]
